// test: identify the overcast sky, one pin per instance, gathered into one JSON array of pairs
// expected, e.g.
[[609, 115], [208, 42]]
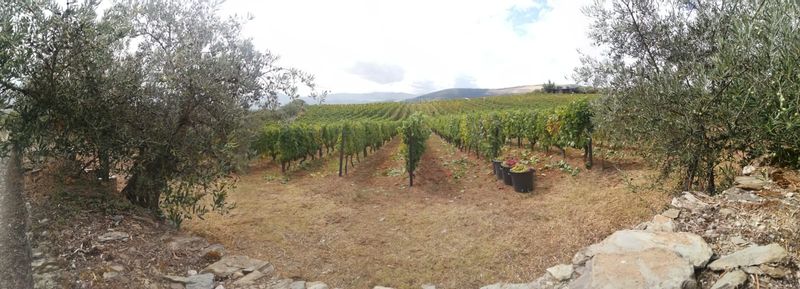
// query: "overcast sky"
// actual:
[[418, 46]]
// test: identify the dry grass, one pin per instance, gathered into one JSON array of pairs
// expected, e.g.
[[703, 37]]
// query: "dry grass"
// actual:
[[369, 229]]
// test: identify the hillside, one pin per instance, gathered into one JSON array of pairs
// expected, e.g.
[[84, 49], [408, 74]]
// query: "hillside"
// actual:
[[453, 93]]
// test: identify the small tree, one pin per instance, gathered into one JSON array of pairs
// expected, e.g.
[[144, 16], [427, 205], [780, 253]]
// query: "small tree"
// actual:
[[549, 87]]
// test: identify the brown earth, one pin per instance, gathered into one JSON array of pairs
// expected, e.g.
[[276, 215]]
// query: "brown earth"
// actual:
[[457, 227]]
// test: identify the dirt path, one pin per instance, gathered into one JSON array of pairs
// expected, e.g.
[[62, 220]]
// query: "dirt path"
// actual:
[[457, 227], [15, 258]]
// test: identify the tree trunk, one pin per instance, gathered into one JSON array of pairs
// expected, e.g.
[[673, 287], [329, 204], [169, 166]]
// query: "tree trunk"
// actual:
[[711, 186], [519, 142], [103, 171], [690, 172], [147, 182], [590, 154]]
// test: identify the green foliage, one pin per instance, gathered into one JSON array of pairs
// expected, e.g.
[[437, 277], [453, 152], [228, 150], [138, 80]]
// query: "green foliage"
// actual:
[[414, 133], [549, 87], [485, 133], [167, 110], [693, 83]]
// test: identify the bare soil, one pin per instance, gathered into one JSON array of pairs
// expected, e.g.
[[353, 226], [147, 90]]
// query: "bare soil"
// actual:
[[457, 227]]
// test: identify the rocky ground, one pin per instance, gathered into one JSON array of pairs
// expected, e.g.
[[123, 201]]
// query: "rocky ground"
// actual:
[[745, 237]]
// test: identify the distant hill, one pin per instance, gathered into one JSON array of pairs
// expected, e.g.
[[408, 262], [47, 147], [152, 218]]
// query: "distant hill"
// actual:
[[354, 98], [453, 93]]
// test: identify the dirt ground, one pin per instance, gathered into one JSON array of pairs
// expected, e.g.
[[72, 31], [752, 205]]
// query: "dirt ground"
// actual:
[[457, 227]]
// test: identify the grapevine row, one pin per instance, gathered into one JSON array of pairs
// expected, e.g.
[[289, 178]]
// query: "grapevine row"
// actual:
[[484, 133], [288, 143]]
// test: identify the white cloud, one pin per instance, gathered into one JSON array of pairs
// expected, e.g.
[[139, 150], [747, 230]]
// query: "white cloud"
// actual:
[[432, 42]]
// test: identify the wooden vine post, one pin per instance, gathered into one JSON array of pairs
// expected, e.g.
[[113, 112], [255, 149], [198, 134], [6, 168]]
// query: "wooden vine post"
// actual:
[[341, 153]]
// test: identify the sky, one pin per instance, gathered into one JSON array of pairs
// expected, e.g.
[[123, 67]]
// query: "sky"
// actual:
[[419, 46]]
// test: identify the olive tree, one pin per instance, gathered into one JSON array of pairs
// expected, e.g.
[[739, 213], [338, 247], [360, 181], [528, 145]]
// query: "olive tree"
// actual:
[[692, 82], [156, 90]]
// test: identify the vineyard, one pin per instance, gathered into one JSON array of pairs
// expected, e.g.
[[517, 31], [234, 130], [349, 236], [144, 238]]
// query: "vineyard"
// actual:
[[480, 126], [368, 189]]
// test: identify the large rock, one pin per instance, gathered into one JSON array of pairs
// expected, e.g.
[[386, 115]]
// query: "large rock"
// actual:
[[749, 183], [731, 280], [298, 285], [741, 196], [250, 278], [672, 213], [756, 255], [690, 202], [653, 268], [231, 264], [201, 281], [661, 224], [688, 246], [561, 272]]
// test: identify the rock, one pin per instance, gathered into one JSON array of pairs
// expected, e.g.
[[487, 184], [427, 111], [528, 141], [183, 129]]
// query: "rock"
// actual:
[[176, 286], [235, 263], [320, 285], [213, 252], [725, 212], [756, 255], [774, 272], [689, 201], [298, 285], [689, 246], [650, 268], [250, 278], [118, 268], [280, 284], [731, 280], [219, 287], [749, 183], [738, 240], [190, 243], [739, 195], [113, 236], [381, 287], [748, 169], [671, 213], [110, 275], [175, 279], [561, 272], [580, 257], [661, 224], [428, 286], [191, 272], [236, 275], [202, 281]]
